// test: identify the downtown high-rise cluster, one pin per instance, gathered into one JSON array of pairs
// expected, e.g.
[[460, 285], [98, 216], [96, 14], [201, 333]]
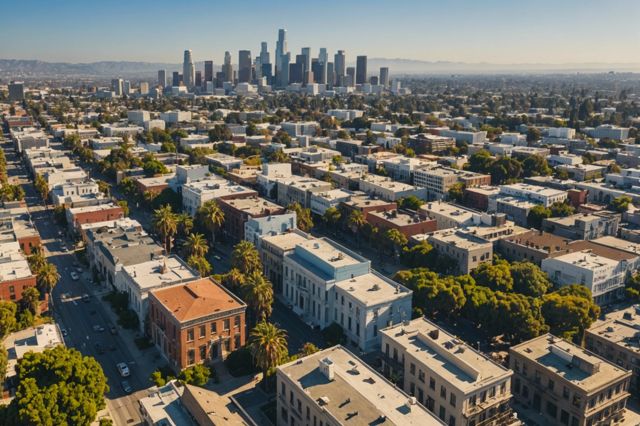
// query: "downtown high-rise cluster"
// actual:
[[286, 69]]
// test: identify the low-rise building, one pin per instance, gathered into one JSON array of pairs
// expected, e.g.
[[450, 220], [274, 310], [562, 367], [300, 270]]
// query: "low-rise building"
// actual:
[[447, 215], [467, 250], [334, 387], [196, 322], [15, 273], [388, 189], [583, 226], [447, 376], [273, 249], [78, 216], [258, 227], [322, 201], [438, 180], [537, 194], [298, 189], [565, 384], [407, 223], [237, 211], [426, 142], [196, 194], [224, 161]]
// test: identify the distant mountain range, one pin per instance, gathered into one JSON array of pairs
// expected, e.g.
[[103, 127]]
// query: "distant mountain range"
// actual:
[[21, 68]]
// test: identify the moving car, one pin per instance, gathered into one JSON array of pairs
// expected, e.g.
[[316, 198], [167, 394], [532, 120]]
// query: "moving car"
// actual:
[[98, 328], [123, 369]]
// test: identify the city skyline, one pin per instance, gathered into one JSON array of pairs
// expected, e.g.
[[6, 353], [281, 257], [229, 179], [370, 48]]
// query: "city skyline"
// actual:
[[491, 32]]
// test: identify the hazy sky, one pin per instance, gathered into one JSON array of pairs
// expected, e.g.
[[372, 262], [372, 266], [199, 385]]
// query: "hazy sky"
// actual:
[[495, 31]]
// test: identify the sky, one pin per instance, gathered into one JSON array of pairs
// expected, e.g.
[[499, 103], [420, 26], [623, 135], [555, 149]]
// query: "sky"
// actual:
[[472, 31]]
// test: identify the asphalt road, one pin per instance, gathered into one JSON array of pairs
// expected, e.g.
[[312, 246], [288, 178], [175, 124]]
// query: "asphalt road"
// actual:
[[78, 318]]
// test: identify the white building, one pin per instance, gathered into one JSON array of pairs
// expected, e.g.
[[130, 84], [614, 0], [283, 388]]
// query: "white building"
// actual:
[[195, 194], [196, 141], [322, 201], [388, 189], [138, 116], [174, 117], [603, 276], [538, 194], [561, 132]]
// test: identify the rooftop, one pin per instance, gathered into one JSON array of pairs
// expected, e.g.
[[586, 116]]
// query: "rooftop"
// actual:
[[618, 243], [254, 206], [570, 362], [196, 299], [460, 240], [352, 392], [94, 208], [449, 357], [372, 289], [620, 327], [160, 272], [163, 407], [286, 241], [399, 218], [329, 252], [587, 259]]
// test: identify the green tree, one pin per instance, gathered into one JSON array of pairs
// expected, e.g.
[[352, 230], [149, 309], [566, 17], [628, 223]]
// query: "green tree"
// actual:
[[200, 264], [536, 215], [332, 217], [411, 202], [559, 209], [195, 245], [258, 294], [505, 170], [533, 134], [165, 224], [211, 217], [197, 375], [529, 279], [356, 221], [58, 387], [435, 296], [47, 277], [570, 311], [303, 217], [124, 205], [185, 223], [536, 165], [268, 345], [42, 187], [31, 300], [496, 276], [481, 161], [8, 311], [308, 349], [621, 203], [4, 362], [153, 167], [246, 258], [104, 187], [395, 239], [157, 379], [456, 192]]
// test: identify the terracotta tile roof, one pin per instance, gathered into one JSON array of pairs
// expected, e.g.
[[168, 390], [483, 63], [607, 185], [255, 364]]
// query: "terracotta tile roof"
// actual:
[[197, 299]]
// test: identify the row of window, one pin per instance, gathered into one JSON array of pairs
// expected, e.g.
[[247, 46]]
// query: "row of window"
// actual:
[[202, 329]]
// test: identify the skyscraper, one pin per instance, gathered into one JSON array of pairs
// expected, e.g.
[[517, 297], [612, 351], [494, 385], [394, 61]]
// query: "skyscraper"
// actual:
[[198, 80], [323, 56], [208, 71], [384, 76], [264, 53], [162, 78], [144, 88], [318, 70], [331, 75], [175, 80], [283, 76], [244, 66], [116, 86], [339, 63], [16, 91], [188, 70], [281, 50], [350, 78], [361, 70], [227, 68]]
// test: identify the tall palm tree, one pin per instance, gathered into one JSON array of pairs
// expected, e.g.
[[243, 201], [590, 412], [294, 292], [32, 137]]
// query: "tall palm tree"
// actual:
[[185, 223], [356, 220], [211, 217], [258, 293], [200, 264], [164, 221], [47, 277], [36, 260], [246, 258], [196, 245], [234, 279], [268, 346]]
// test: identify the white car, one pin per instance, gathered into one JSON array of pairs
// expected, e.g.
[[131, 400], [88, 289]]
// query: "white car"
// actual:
[[74, 276], [123, 369]]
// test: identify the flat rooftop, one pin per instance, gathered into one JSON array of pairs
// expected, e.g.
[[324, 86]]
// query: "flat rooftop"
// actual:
[[254, 206], [164, 407], [619, 244], [356, 395], [543, 241], [570, 362], [449, 357], [533, 189], [364, 202], [587, 259], [620, 328], [372, 289], [160, 272], [458, 239], [94, 208], [285, 242], [197, 299], [329, 252], [399, 218], [458, 213]]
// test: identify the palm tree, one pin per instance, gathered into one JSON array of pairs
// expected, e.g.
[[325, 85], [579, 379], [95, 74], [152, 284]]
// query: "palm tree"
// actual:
[[211, 217], [164, 221], [185, 222], [36, 260], [200, 264], [268, 346], [196, 245], [356, 221], [246, 258], [258, 294], [234, 279], [47, 277]]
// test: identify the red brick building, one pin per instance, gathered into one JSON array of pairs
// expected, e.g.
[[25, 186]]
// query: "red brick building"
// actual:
[[196, 322], [366, 205], [407, 224], [478, 197], [15, 274], [238, 211], [92, 214]]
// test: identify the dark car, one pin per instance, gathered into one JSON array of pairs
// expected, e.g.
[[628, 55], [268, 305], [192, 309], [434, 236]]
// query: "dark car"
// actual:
[[126, 386]]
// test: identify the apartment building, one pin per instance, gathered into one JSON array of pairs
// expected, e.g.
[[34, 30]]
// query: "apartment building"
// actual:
[[196, 322], [334, 387], [466, 249], [139, 279], [426, 142], [615, 338], [298, 189], [322, 201], [273, 249], [78, 216], [325, 283], [438, 180], [406, 223], [15, 274], [16, 225], [388, 189], [583, 226], [537, 194], [566, 384], [257, 228], [603, 276], [237, 211], [196, 194], [451, 379], [447, 215]]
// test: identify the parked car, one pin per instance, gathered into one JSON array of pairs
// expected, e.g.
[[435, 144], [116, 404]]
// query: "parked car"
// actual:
[[74, 276], [98, 328], [123, 369], [126, 386], [85, 298]]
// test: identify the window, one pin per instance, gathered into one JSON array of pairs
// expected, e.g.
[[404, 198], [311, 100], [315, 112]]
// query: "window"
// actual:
[[443, 413], [225, 324], [452, 421], [203, 331], [443, 392], [432, 383], [565, 394], [236, 321], [421, 375], [190, 335], [412, 369], [203, 352], [552, 409], [191, 356], [236, 341], [214, 327], [550, 384], [564, 417], [472, 401], [452, 399]]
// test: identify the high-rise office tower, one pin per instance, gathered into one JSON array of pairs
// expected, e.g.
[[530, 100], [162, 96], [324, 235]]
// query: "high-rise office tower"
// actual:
[[384, 76], [374, 80], [339, 64], [208, 71], [116, 86], [306, 52], [175, 79], [16, 91], [331, 75], [283, 75], [244, 66], [361, 70], [126, 87], [296, 71], [317, 69], [281, 50], [323, 56], [227, 68], [265, 71], [350, 78], [162, 78], [264, 53], [144, 88], [198, 80], [220, 77], [188, 70]]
